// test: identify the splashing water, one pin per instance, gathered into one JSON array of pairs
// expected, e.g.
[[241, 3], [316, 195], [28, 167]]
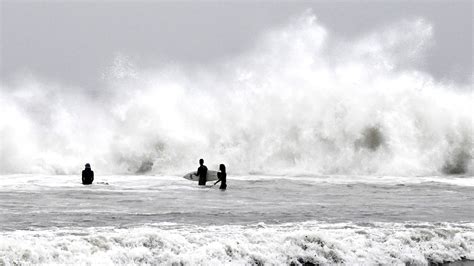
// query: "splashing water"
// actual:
[[310, 243], [301, 101]]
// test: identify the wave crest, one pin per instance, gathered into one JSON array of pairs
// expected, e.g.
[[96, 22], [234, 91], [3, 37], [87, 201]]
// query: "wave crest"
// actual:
[[301, 101]]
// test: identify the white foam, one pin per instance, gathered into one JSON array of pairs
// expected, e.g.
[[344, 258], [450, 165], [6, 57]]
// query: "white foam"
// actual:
[[320, 243], [302, 100]]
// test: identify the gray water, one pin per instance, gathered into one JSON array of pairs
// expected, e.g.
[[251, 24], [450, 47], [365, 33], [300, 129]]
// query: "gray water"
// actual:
[[258, 220], [61, 201]]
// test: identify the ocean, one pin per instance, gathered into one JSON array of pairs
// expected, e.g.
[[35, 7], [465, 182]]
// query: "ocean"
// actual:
[[258, 220], [339, 150]]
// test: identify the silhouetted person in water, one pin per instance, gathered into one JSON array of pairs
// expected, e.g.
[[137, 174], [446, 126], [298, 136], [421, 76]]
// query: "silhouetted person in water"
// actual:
[[222, 175], [87, 175], [202, 173]]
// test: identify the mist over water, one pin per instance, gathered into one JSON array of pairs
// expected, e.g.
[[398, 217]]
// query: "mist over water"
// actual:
[[303, 101]]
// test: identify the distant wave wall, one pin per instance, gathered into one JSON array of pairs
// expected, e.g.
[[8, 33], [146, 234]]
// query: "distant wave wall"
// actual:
[[302, 100]]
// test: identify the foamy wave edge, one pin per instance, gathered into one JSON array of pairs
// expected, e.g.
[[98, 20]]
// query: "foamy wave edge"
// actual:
[[259, 244]]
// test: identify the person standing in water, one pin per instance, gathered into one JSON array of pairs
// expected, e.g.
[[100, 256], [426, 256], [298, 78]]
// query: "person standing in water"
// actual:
[[222, 176], [202, 173], [87, 175]]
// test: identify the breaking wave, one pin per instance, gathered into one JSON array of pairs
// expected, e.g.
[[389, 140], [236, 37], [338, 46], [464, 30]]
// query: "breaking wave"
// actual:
[[296, 244], [302, 101]]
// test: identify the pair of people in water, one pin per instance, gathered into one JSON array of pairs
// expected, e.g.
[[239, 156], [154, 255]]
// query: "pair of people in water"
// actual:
[[202, 173]]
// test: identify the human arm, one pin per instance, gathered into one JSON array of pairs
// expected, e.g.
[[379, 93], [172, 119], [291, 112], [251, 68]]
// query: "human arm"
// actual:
[[218, 178]]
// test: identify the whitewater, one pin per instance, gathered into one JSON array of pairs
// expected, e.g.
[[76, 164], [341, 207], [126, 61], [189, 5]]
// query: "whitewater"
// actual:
[[258, 220], [337, 152]]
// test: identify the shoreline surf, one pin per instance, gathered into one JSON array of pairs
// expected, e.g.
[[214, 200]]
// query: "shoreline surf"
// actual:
[[310, 242]]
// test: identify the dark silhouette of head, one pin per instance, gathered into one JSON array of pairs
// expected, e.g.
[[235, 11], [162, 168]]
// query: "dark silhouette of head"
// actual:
[[222, 168], [88, 165], [201, 161]]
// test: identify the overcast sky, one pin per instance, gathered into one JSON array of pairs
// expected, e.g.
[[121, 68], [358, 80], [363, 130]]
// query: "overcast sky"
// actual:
[[73, 42]]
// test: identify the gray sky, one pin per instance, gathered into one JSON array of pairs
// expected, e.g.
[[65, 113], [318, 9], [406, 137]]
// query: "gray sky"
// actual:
[[73, 42]]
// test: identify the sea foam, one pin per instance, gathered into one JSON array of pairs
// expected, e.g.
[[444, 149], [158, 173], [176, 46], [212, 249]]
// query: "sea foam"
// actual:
[[295, 243], [302, 100]]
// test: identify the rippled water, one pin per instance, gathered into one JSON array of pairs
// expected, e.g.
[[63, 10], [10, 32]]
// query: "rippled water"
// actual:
[[55, 219]]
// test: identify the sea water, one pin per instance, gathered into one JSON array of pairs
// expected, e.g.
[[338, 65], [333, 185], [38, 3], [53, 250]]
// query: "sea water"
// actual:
[[50, 219], [337, 150]]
